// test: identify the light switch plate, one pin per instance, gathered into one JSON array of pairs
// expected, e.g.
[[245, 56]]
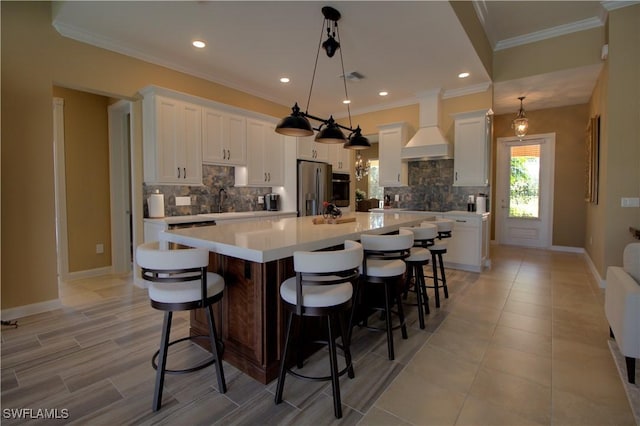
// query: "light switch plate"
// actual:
[[183, 201]]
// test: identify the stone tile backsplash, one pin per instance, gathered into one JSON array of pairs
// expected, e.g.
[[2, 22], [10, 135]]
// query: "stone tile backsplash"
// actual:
[[206, 199], [431, 188]]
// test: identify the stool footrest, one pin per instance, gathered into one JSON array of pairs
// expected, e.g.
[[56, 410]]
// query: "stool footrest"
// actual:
[[200, 366]]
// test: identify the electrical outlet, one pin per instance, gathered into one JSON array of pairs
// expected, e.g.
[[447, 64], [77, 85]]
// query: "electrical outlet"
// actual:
[[99, 248], [397, 197], [260, 199], [630, 202], [183, 201]]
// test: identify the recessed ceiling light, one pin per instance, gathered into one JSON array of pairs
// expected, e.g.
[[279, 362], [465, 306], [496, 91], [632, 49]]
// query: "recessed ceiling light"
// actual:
[[383, 93], [284, 79], [463, 75], [346, 101], [199, 44]]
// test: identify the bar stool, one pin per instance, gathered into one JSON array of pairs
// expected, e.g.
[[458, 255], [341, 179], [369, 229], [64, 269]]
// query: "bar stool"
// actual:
[[418, 258], [383, 264], [322, 287], [437, 249], [178, 281]]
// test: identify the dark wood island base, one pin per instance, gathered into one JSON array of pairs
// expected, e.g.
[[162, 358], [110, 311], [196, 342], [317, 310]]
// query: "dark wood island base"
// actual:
[[250, 316]]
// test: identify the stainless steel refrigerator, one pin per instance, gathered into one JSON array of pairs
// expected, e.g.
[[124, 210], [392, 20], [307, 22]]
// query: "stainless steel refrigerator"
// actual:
[[314, 187]]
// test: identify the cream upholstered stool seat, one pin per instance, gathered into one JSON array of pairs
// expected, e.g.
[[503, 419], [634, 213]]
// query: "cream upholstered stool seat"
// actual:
[[437, 249], [178, 280], [418, 258], [383, 264], [322, 287]]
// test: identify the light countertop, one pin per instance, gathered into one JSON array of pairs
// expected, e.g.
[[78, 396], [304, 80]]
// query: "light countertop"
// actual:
[[267, 240], [428, 213], [210, 217]]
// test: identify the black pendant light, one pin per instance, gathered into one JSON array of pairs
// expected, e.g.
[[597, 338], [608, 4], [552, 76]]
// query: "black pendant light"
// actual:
[[297, 124]]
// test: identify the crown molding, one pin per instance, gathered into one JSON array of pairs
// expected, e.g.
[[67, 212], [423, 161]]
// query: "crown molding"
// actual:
[[467, 90], [613, 5], [560, 30]]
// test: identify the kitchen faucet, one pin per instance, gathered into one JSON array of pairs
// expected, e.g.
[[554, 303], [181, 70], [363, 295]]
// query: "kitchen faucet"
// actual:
[[222, 194]]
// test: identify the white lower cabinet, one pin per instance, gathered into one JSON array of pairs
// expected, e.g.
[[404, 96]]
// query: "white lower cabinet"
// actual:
[[468, 247]]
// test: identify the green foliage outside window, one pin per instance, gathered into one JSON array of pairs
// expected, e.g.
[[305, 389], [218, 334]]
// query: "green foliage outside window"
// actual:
[[524, 186]]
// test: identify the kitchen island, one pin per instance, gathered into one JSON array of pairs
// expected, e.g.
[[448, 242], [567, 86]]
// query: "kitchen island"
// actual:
[[254, 258]]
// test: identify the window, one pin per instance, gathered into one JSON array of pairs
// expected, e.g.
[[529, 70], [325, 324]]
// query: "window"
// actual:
[[524, 182], [375, 191]]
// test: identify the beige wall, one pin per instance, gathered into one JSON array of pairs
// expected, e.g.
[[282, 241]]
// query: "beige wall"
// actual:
[[620, 144], [34, 59], [467, 16], [569, 125], [86, 145]]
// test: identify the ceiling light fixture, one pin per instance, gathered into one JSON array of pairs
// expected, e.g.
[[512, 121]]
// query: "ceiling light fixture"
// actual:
[[463, 75], [297, 124], [520, 123], [199, 44], [383, 93], [284, 80]]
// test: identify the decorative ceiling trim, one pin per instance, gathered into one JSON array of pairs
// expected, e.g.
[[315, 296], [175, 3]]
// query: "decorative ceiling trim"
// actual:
[[613, 5], [468, 90], [560, 30]]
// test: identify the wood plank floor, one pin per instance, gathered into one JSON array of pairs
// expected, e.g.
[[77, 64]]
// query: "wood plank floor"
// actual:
[[523, 343]]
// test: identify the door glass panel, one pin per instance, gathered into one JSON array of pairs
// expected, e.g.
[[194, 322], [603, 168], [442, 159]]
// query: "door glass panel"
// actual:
[[524, 182], [375, 191]]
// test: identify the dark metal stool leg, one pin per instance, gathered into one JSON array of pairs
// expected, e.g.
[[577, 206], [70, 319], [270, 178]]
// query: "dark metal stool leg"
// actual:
[[387, 307], [283, 361], [346, 344], [444, 277], [418, 289], [162, 360], [215, 349], [434, 266], [403, 325], [335, 379]]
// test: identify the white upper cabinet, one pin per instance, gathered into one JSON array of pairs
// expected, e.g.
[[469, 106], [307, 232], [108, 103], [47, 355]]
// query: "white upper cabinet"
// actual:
[[265, 158], [392, 170], [309, 149], [172, 135], [224, 137], [340, 158], [473, 133]]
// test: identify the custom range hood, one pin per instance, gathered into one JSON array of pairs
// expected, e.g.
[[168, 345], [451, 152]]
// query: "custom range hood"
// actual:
[[429, 141]]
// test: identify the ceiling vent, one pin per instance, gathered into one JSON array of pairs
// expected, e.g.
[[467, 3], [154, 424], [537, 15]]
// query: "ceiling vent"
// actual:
[[353, 76]]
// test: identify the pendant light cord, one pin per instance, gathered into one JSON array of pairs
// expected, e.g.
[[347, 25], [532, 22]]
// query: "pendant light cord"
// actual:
[[315, 66], [344, 76]]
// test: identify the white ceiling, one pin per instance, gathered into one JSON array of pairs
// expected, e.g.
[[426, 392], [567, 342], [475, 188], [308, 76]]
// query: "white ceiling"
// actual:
[[404, 48]]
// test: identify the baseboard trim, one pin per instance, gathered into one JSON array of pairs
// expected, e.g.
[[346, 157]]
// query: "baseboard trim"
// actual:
[[568, 249], [594, 271], [33, 309], [89, 273]]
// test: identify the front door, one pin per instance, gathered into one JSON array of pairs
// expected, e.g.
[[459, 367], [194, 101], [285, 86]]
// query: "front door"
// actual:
[[524, 190]]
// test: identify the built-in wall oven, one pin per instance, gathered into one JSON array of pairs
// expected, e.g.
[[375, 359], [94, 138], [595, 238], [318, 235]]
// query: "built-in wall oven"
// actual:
[[341, 188]]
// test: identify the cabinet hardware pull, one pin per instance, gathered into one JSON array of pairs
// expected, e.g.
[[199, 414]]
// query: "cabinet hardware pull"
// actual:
[[463, 221], [228, 154], [184, 170], [456, 175], [178, 172], [269, 176], [265, 176], [224, 154]]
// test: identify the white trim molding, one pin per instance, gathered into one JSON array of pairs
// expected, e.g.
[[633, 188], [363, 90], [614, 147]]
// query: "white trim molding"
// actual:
[[560, 30], [33, 309], [89, 273], [594, 271]]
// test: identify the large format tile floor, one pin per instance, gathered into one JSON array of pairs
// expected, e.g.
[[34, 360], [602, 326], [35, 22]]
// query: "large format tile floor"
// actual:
[[524, 343]]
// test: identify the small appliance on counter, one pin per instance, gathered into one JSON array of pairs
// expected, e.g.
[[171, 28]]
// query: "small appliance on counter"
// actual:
[[156, 205], [481, 203], [272, 202]]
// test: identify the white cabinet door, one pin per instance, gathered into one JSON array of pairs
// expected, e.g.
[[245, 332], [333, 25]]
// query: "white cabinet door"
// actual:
[[463, 248], [265, 159], [472, 147], [224, 138], [393, 171], [172, 137], [340, 158], [309, 149]]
